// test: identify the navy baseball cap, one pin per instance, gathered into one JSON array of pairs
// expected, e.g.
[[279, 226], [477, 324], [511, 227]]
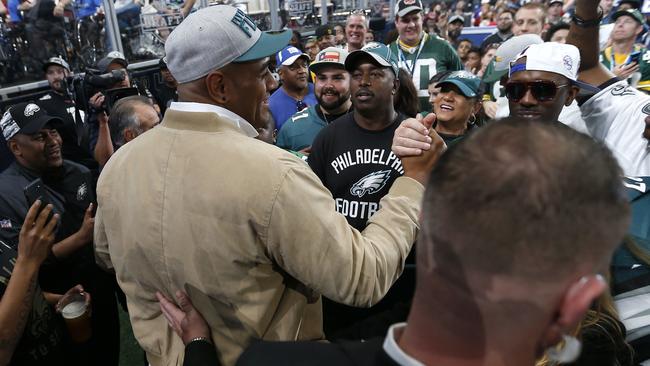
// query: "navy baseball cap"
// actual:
[[26, 118], [467, 82], [378, 52]]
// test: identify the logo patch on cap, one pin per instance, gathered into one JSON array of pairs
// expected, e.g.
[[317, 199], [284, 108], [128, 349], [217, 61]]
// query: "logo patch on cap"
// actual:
[[462, 74], [371, 46], [330, 57], [30, 109], [246, 24], [568, 62], [409, 2], [8, 125]]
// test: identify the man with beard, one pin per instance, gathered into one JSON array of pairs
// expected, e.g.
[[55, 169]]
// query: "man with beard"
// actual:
[[36, 146], [332, 89], [296, 93], [59, 103], [454, 29], [420, 54], [504, 29]]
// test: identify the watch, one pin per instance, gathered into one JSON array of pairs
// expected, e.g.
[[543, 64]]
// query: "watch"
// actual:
[[588, 23]]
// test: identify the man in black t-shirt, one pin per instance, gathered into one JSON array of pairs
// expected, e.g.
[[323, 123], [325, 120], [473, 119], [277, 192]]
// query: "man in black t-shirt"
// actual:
[[352, 156]]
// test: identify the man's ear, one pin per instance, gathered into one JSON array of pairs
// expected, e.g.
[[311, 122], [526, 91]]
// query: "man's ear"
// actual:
[[128, 134], [572, 308], [215, 85], [571, 95], [14, 147], [396, 85]]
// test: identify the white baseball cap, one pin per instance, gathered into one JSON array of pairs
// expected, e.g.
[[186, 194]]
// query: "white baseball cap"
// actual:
[[214, 37], [558, 58]]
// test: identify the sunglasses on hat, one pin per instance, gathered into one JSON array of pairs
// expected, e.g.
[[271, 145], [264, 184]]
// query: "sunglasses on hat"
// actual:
[[541, 90]]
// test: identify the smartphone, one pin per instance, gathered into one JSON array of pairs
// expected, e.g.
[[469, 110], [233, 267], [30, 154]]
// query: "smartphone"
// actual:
[[634, 57], [36, 191]]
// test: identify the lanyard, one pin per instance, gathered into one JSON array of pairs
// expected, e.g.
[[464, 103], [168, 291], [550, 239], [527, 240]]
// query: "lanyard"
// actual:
[[609, 53], [403, 59]]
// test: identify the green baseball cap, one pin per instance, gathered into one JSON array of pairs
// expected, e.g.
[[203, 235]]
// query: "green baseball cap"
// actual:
[[634, 13], [467, 82], [379, 52]]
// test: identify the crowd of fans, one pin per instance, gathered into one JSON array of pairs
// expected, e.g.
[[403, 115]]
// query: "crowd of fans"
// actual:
[[270, 191]]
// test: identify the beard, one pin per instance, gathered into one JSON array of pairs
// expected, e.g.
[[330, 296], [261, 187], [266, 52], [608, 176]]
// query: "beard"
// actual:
[[340, 100], [504, 29], [454, 33]]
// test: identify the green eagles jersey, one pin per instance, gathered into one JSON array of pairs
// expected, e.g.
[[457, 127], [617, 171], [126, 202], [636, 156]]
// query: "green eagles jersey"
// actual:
[[434, 55], [607, 59], [299, 131]]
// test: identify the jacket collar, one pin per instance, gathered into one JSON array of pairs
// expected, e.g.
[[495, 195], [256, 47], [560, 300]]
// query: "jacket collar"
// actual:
[[206, 118]]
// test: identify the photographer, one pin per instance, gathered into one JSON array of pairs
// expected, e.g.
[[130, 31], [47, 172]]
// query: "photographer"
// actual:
[[130, 117], [60, 102], [36, 146]]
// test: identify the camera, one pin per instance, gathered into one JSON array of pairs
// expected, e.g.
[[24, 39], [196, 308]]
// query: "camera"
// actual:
[[81, 88]]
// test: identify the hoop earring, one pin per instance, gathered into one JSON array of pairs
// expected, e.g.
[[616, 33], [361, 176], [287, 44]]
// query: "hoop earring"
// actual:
[[567, 353], [472, 119]]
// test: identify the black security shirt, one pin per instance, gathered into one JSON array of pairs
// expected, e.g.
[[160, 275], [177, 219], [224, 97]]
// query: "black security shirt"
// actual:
[[356, 165]]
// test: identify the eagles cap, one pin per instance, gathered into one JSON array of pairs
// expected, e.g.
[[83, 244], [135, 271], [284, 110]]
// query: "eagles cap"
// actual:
[[467, 82], [331, 56], [378, 52], [26, 118], [404, 7], [214, 37], [58, 61], [112, 57]]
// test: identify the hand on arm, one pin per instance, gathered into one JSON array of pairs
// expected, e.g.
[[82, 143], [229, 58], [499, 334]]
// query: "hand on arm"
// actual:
[[34, 243], [186, 321]]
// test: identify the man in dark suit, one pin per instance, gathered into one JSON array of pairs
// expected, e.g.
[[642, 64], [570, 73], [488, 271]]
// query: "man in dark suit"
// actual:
[[498, 286]]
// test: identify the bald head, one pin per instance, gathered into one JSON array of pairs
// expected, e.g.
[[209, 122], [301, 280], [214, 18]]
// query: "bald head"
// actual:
[[523, 200]]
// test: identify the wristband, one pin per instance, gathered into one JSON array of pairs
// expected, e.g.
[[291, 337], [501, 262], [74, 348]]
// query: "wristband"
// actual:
[[588, 23], [200, 339]]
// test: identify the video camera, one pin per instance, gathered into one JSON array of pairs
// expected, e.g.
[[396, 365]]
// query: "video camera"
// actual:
[[83, 87]]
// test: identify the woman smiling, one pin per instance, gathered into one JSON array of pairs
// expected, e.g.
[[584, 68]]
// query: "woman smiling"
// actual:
[[456, 105]]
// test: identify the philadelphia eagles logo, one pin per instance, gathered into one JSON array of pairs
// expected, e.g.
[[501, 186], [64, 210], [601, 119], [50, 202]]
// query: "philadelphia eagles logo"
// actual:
[[371, 183]]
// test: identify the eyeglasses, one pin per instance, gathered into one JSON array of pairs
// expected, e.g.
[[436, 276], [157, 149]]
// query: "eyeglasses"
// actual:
[[542, 90], [300, 105]]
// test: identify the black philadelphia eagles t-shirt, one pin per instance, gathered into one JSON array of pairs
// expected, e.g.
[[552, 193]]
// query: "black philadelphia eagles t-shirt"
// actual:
[[356, 165]]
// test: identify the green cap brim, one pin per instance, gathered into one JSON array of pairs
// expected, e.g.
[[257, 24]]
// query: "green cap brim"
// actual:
[[268, 44], [466, 90], [621, 13], [355, 56], [494, 76]]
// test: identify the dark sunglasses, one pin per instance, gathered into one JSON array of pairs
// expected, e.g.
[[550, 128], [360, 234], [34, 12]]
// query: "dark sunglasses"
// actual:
[[542, 90], [300, 105]]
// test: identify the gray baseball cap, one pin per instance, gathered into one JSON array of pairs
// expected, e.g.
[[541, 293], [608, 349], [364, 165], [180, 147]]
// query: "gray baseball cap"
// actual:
[[507, 52], [214, 37]]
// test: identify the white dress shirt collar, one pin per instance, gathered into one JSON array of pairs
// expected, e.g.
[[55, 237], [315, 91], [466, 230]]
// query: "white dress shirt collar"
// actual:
[[392, 348], [241, 123]]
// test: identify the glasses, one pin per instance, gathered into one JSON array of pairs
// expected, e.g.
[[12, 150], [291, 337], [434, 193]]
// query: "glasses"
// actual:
[[300, 105], [542, 90]]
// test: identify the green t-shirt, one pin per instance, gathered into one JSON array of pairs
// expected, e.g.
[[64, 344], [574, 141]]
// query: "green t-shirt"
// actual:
[[299, 131], [607, 59], [434, 55]]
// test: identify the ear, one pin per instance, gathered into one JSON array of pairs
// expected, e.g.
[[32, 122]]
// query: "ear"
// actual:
[[14, 147], [128, 134], [573, 307], [215, 85], [639, 29], [571, 95], [395, 85], [477, 106]]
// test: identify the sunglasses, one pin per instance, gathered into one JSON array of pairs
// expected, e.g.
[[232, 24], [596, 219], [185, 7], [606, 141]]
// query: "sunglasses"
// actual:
[[542, 90], [300, 105]]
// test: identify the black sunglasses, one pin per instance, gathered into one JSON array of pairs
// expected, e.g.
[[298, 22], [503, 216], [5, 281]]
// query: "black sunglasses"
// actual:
[[542, 90], [300, 105]]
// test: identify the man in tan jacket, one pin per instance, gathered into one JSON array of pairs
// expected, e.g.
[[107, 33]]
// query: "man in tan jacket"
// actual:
[[244, 227]]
